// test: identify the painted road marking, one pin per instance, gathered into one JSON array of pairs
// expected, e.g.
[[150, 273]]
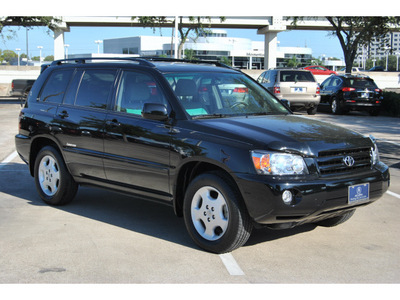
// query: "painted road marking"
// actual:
[[231, 265]]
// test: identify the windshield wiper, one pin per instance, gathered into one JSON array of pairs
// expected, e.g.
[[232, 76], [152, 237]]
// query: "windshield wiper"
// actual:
[[210, 116]]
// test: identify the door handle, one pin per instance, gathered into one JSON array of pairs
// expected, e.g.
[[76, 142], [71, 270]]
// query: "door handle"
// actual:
[[113, 123], [64, 114]]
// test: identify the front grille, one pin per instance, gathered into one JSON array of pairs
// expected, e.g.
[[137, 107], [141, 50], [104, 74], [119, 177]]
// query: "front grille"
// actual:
[[332, 162]]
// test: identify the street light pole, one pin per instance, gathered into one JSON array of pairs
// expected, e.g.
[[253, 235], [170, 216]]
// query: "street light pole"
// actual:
[[40, 53], [98, 42], [66, 50], [18, 49]]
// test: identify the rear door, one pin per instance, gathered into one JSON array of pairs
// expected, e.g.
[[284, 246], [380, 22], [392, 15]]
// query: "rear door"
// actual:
[[81, 121]]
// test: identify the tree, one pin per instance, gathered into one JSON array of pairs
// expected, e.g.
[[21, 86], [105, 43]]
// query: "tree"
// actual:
[[354, 32], [25, 21], [196, 25]]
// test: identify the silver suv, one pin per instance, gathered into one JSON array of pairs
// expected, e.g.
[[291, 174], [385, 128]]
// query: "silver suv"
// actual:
[[299, 87]]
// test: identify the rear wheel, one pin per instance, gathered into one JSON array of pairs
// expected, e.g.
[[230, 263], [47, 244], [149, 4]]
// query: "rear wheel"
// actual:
[[312, 110], [53, 182], [214, 213], [335, 106]]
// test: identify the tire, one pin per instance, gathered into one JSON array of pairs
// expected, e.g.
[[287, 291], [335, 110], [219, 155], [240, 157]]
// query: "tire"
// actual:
[[336, 220], [312, 110], [53, 182], [335, 106], [214, 213]]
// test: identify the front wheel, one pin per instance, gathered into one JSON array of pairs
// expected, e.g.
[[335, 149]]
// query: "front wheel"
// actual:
[[53, 182], [214, 213]]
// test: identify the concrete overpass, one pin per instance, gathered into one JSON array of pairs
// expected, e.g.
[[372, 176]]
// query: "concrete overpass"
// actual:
[[267, 26]]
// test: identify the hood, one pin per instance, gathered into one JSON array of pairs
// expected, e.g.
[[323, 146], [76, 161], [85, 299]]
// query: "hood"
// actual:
[[288, 133]]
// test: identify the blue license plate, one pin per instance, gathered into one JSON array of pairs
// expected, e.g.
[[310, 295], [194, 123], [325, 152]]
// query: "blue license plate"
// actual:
[[358, 193]]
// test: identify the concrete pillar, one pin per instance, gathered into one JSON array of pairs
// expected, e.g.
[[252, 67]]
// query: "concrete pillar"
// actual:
[[270, 45], [271, 41], [59, 42]]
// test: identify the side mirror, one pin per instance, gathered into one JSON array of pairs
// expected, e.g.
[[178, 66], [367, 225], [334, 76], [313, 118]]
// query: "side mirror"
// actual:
[[155, 111], [286, 102]]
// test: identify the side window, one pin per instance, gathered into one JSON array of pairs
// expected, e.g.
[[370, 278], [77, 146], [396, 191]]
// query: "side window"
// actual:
[[266, 77], [135, 90], [54, 89], [95, 88]]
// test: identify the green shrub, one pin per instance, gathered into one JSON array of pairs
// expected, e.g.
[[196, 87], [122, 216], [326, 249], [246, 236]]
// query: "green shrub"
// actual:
[[391, 104]]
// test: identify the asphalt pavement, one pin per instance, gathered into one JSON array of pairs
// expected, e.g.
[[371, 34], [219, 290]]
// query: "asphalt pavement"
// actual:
[[104, 237]]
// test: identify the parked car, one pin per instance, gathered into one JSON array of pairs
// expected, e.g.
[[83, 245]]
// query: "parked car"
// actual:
[[320, 70], [226, 162], [351, 92], [377, 68], [353, 70], [297, 86], [21, 87]]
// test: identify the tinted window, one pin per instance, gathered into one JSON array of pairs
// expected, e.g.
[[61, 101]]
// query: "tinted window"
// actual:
[[95, 88], [55, 86], [360, 82], [296, 76], [135, 90]]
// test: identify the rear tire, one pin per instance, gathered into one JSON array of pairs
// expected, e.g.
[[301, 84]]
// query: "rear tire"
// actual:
[[312, 110], [53, 182], [335, 106], [214, 213]]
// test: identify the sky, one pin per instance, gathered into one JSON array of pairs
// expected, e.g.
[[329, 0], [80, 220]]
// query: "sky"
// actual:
[[82, 39]]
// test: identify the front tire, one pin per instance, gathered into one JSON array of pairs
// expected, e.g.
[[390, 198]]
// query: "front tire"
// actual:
[[214, 213], [53, 182]]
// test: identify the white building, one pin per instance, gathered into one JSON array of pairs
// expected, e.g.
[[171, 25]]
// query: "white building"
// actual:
[[213, 45]]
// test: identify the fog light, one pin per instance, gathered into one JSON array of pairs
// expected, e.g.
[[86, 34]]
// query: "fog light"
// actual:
[[287, 197]]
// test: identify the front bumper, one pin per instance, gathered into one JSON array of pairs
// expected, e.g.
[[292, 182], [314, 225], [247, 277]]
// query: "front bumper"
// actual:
[[317, 198]]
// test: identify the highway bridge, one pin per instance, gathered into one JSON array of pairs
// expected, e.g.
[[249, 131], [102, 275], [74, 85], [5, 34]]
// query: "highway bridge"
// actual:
[[267, 26]]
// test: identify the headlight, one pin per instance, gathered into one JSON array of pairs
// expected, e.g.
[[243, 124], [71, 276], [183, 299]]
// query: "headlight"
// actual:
[[274, 163], [374, 151]]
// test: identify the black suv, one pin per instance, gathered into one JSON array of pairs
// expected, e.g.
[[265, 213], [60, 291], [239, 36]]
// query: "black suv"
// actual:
[[343, 93], [201, 137]]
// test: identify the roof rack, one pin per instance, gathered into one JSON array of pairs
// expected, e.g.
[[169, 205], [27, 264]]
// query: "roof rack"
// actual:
[[83, 60], [169, 59], [144, 60]]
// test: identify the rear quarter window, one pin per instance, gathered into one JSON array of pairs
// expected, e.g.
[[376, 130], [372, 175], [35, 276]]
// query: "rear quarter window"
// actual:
[[54, 88]]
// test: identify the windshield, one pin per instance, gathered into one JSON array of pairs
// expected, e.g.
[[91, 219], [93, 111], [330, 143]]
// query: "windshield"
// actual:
[[222, 94]]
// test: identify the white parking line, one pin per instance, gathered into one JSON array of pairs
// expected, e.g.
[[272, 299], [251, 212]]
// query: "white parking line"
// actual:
[[8, 159], [393, 194], [231, 265]]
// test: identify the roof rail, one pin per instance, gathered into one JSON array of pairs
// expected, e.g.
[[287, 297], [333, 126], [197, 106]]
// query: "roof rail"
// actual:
[[144, 60], [169, 59], [83, 60]]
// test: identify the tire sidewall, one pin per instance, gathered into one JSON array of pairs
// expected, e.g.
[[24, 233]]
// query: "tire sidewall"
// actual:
[[230, 238], [66, 185]]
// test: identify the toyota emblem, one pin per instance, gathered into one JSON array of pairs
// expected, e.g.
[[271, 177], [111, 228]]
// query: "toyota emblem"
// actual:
[[348, 161]]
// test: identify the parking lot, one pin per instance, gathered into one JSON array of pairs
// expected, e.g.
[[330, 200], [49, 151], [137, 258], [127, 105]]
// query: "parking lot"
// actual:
[[104, 237]]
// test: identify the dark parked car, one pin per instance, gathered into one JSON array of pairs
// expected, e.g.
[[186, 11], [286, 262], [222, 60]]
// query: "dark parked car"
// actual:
[[377, 68], [201, 137], [351, 92], [21, 87]]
